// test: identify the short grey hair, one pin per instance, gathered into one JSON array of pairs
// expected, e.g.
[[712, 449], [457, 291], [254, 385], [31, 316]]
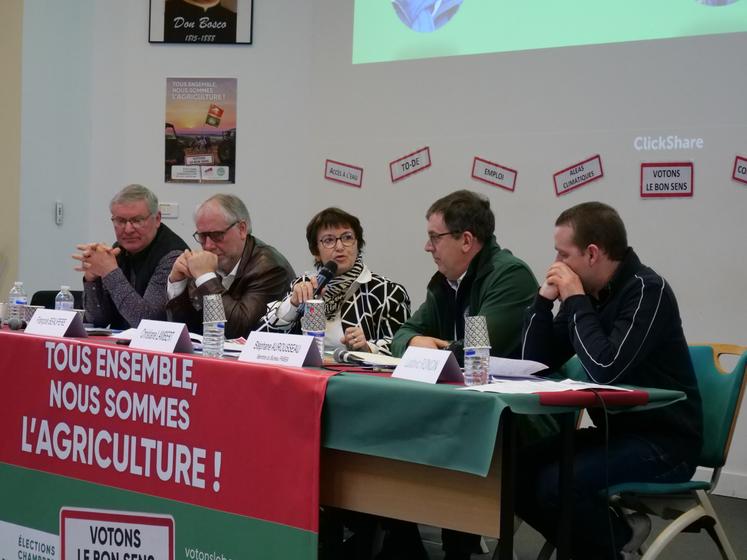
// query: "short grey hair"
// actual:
[[134, 193], [233, 208]]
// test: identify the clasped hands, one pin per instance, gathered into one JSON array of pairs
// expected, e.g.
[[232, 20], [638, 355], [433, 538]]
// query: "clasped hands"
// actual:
[[353, 338], [193, 264], [96, 260], [561, 283]]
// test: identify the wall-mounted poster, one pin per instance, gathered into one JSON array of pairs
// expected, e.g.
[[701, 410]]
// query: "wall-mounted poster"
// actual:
[[201, 21], [200, 130]]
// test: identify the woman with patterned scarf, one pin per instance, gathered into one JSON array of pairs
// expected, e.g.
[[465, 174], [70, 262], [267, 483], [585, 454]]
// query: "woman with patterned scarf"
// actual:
[[363, 309]]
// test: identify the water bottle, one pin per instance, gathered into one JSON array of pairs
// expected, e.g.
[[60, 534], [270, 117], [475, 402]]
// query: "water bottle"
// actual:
[[16, 298], [476, 350], [213, 338], [318, 339], [64, 299], [213, 325], [476, 365], [314, 323]]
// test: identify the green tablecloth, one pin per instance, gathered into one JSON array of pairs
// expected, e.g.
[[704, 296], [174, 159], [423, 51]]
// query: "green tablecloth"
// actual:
[[436, 425]]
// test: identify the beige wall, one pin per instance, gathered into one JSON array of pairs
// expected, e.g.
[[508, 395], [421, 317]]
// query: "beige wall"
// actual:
[[11, 12]]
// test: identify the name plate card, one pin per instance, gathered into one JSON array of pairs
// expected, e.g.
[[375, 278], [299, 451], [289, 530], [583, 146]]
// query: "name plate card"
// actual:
[[343, 173], [280, 349], [578, 174], [740, 170], [162, 336], [56, 322], [666, 179], [409, 164], [428, 366], [494, 174]]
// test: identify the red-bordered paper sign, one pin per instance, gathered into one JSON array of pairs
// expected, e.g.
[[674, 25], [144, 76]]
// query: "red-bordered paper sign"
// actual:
[[409, 164], [86, 534], [667, 179], [494, 174], [578, 174], [740, 170], [343, 173]]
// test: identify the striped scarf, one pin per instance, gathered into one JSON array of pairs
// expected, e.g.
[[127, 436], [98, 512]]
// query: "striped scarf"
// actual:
[[338, 287]]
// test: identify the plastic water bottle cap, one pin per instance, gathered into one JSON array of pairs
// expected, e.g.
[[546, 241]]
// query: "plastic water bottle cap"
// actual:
[[64, 288]]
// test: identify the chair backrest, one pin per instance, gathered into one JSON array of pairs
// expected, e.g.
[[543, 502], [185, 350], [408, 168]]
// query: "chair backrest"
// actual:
[[573, 369], [721, 393], [46, 298]]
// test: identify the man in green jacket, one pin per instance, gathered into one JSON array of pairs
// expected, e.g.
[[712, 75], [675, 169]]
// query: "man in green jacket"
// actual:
[[475, 277]]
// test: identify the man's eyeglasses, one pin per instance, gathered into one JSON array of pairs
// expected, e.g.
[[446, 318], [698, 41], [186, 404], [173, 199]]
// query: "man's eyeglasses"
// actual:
[[329, 241], [137, 222], [434, 237], [216, 236]]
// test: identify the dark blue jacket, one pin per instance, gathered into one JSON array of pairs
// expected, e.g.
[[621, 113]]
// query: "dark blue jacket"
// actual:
[[631, 335]]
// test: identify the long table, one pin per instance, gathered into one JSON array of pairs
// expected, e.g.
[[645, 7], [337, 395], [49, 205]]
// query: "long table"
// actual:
[[432, 454], [436, 454]]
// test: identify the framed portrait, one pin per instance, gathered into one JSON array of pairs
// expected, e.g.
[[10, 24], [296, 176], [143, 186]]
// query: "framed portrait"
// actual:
[[201, 22]]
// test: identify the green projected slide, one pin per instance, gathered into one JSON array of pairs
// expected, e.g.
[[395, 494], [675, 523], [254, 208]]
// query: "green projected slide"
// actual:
[[387, 30]]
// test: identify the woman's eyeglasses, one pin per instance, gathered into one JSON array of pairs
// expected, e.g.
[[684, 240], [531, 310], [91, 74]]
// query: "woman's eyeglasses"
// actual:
[[329, 241]]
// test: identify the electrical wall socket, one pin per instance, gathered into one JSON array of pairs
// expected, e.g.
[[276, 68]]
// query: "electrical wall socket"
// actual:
[[169, 209], [58, 213]]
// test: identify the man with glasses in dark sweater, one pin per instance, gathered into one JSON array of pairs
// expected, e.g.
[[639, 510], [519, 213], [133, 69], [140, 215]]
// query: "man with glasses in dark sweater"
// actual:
[[126, 282]]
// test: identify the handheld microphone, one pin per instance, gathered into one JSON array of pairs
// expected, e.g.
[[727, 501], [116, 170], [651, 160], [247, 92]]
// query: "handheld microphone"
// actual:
[[325, 274], [343, 356], [16, 324]]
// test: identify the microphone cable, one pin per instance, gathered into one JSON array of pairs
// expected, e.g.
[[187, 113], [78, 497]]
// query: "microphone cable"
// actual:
[[605, 412]]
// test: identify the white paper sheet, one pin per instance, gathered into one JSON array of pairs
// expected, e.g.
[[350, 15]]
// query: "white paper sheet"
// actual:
[[125, 335], [371, 359], [514, 369], [526, 387], [235, 347]]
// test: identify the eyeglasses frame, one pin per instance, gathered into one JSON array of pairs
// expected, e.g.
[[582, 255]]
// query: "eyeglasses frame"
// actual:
[[212, 234], [121, 223], [434, 238], [353, 240]]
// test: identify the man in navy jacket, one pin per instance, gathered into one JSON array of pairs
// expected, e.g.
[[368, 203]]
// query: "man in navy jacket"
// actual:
[[622, 321]]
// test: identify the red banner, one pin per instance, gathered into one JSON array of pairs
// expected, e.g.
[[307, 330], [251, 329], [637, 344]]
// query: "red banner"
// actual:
[[235, 437]]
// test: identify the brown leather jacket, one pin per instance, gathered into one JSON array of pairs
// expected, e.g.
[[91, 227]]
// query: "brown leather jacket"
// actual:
[[263, 276]]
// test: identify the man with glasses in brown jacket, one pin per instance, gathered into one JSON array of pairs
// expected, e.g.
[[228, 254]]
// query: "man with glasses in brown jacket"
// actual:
[[247, 272]]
